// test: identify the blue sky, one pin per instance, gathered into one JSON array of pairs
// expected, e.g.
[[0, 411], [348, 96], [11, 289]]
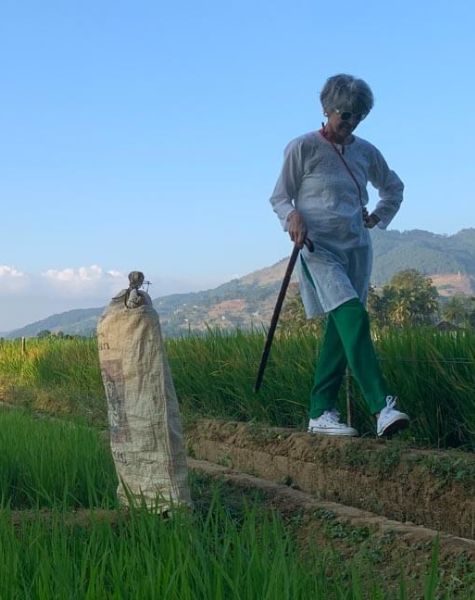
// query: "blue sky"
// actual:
[[149, 135]]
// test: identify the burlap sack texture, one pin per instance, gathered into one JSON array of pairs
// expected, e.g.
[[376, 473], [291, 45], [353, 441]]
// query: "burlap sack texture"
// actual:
[[145, 427]]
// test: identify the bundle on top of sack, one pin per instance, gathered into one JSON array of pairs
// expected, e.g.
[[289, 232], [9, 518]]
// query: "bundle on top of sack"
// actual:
[[145, 426]]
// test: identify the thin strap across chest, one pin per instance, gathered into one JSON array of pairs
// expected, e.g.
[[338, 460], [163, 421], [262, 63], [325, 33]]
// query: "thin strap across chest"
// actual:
[[339, 154]]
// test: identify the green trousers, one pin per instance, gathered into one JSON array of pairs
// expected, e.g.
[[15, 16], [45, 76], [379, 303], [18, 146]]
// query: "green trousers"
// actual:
[[347, 341]]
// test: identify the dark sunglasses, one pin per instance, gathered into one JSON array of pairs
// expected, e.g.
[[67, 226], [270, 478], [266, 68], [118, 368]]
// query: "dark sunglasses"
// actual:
[[346, 115]]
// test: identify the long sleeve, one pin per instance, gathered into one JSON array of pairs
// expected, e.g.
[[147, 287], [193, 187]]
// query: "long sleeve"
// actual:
[[288, 183], [390, 189]]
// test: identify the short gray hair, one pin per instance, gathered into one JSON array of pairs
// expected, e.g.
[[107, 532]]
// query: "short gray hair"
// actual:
[[346, 92]]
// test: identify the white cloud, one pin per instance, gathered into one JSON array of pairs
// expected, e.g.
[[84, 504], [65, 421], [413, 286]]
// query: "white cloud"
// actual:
[[12, 280], [92, 280], [6, 271], [27, 297]]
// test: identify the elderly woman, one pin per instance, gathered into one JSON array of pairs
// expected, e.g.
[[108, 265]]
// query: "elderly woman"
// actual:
[[321, 195]]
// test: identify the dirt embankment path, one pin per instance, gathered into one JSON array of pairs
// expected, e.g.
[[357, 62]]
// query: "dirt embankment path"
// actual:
[[430, 488]]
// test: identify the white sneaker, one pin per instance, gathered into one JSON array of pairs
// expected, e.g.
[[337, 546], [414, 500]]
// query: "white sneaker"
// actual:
[[329, 424], [390, 419]]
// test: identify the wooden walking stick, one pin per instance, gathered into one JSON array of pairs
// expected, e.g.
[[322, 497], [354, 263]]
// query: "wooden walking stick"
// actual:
[[278, 306]]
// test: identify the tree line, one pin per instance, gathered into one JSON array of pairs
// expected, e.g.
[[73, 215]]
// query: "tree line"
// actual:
[[409, 299]]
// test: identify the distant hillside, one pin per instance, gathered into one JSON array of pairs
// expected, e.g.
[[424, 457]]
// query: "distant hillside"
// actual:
[[80, 321], [249, 300], [427, 252]]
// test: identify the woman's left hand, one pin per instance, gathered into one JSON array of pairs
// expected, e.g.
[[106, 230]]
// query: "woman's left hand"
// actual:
[[370, 220]]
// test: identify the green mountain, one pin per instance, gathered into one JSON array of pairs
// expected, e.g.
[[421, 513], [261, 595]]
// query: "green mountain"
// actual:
[[249, 301], [80, 321], [427, 252]]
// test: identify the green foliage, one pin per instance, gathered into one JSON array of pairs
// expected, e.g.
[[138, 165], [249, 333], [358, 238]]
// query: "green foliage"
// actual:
[[56, 375], [232, 546], [451, 468], [431, 372], [46, 463], [422, 250], [212, 554], [460, 310], [44, 333], [293, 319], [433, 375], [378, 306], [439, 396], [408, 300], [215, 376]]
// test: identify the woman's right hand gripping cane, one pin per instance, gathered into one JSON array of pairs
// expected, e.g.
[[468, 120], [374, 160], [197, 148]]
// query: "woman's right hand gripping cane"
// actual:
[[297, 228]]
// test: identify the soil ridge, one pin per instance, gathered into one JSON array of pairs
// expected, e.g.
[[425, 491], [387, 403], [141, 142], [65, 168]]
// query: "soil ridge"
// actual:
[[431, 488]]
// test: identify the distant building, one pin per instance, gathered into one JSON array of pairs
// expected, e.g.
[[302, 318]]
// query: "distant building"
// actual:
[[447, 326]]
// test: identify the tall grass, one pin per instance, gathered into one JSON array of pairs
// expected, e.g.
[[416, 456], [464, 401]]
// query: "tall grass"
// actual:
[[46, 463], [215, 375], [230, 547], [432, 373], [54, 375], [188, 557]]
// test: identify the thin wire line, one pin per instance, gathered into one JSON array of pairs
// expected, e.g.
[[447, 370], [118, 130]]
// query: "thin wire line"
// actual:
[[441, 360]]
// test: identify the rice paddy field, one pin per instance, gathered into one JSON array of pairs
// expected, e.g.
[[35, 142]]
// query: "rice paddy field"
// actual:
[[432, 373], [63, 534]]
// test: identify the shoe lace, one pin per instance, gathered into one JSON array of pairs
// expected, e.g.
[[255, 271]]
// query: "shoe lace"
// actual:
[[391, 401], [332, 416]]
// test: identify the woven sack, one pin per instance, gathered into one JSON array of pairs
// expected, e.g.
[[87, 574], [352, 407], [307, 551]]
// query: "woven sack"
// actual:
[[145, 428]]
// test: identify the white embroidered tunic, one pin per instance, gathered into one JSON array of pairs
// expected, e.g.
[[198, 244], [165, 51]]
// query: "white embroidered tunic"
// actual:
[[315, 181]]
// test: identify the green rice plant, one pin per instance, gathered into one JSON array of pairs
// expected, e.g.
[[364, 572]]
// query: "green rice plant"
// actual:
[[432, 373], [196, 556], [432, 578], [215, 376], [55, 375], [46, 463], [230, 547]]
